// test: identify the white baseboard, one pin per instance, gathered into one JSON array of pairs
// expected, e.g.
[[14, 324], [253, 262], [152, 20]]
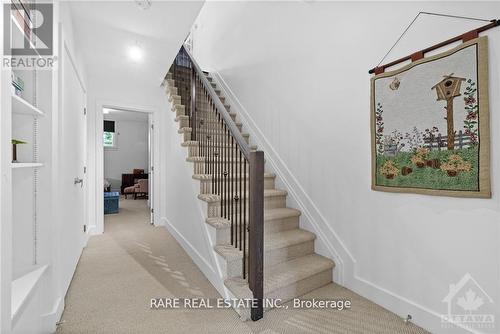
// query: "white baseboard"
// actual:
[[209, 272], [50, 320], [421, 315], [329, 242]]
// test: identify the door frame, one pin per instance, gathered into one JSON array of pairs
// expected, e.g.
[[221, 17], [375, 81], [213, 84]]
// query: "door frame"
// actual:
[[98, 198], [67, 52]]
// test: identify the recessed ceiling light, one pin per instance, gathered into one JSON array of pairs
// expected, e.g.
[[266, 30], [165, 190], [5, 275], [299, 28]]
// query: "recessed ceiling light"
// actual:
[[135, 53], [143, 4], [110, 110]]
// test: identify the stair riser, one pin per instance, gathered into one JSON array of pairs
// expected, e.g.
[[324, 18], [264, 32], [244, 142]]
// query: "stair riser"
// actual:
[[277, 225], [294, 290], [215, 124], [179, 110], [223, 235], [195, 150], [212, 128], [213, 121], [215, 134], [224, 141], [171, 91], [199, 167], [280, 225], [271, 258], [206, 185], [175, 99], [273, 202], [202, 115], [183, 123]]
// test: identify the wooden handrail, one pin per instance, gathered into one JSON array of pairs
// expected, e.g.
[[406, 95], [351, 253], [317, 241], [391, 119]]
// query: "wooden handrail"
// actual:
[[223, 159], [420, 54], [235, 132]]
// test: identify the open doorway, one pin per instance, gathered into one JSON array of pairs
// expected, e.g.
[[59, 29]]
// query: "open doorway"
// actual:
[[127, 140]]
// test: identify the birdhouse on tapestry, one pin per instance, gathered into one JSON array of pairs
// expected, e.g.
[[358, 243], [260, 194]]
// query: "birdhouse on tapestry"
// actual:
[[448, 88]]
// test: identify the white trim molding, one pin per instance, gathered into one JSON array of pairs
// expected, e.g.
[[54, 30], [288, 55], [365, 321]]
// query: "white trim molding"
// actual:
[[96, 197]]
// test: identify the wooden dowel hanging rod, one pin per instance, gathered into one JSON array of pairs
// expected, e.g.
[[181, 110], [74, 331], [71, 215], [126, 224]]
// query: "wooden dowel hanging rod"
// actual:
[[420, 54]]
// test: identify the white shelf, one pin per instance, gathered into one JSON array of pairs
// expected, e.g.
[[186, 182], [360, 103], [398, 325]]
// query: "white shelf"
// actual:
[[26, 164], [22, 290], [21, 106]]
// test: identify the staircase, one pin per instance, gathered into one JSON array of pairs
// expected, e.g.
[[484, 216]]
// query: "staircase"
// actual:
[[216, 147]]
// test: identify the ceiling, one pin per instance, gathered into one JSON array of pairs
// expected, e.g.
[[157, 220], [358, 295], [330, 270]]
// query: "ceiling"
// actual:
[[105, 30]]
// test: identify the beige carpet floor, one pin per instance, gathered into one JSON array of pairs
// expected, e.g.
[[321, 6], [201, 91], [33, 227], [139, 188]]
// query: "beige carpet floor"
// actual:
[[132, 262]]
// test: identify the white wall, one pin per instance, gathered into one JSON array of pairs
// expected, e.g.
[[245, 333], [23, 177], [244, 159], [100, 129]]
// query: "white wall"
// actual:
[[184, 214], [300, 72], [116, 81], [131, 150]]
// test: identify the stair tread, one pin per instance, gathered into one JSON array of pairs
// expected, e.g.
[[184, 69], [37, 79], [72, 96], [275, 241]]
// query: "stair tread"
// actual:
[[202, 159], [188, 129], [237, 175], [211, 198], [196, 143], [280, 213], [272, 241], [282, 274], [269, 216]]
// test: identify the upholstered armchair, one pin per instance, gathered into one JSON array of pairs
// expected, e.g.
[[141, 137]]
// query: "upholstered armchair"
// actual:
[[140, 188]]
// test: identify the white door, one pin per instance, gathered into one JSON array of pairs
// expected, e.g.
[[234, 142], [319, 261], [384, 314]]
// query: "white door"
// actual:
[[151, 168], [72, 158]]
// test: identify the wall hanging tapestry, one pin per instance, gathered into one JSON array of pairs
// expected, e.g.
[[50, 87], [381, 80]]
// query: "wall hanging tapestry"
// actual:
[[430, 124]]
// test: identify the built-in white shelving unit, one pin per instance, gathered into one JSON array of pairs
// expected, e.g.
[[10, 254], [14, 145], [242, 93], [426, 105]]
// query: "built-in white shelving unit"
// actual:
[[27, 115], [15, 165], [21, 106], [23, 289]]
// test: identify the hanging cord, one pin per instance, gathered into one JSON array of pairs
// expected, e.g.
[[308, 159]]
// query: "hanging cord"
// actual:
[[430, 14]]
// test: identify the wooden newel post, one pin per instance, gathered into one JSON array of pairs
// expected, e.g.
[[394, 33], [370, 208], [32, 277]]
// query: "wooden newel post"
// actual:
[[256, 233], [447, 89]]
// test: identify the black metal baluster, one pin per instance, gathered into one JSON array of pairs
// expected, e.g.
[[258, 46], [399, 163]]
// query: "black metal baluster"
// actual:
[[245, 217], [231, 196], [219, 171], [226, 188], [242, 234]]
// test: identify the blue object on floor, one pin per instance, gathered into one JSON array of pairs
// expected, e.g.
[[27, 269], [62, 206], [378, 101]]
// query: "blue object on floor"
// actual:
[[111, 200]]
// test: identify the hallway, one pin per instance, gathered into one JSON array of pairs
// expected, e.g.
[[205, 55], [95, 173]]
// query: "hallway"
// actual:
[[133, 261]]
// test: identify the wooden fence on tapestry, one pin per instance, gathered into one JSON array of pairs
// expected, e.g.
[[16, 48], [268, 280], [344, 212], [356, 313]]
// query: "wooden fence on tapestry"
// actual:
[[438, 142]]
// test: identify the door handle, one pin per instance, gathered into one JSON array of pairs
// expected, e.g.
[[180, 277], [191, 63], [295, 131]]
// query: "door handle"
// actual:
[[78, 180]]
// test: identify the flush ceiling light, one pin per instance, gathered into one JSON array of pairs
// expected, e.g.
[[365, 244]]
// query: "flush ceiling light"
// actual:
[[110, 110], [143, 4], [135, 53]]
